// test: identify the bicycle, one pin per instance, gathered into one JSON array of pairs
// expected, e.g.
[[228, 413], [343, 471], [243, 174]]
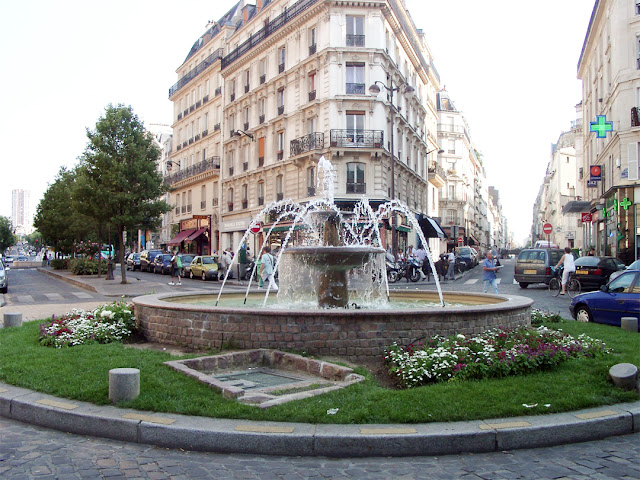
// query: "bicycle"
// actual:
[[555, 285]]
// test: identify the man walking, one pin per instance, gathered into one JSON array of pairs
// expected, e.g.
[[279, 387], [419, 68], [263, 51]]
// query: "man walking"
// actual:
[[451, 274], [421, 255], [267, 264], [489, 273]]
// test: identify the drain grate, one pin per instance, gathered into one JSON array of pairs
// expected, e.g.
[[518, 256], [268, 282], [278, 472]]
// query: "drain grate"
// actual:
[[257, 378]]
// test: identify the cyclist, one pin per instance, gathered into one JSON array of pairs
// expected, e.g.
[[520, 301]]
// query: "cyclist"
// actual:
[[569, 268]]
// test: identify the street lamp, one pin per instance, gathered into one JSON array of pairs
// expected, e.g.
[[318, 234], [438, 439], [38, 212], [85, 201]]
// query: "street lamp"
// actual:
[[171, 163], [374, 90], [239, 133]]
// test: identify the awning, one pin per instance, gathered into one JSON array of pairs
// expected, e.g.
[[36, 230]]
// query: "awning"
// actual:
[[195, 234], [180, 237], [431, 228], [576, 206]]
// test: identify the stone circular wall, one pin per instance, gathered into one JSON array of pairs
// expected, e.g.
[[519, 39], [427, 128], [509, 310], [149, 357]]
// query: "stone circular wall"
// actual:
[[359, 336]]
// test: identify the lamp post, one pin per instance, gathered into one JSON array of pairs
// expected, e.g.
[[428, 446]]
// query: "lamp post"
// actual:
[[374, 90]]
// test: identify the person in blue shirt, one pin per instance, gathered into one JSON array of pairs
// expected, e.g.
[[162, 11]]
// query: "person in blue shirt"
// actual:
[[489, 273]]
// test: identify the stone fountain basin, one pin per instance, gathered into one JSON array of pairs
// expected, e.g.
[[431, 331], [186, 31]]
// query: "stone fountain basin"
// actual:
[[360, 336], [333, 258]]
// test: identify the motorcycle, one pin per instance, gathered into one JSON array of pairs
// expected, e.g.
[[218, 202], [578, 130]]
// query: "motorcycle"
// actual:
[[248, 270], [412, 269], [393, 270]]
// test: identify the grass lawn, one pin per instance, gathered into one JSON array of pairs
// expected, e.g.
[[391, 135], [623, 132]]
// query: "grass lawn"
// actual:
[[81, 373]]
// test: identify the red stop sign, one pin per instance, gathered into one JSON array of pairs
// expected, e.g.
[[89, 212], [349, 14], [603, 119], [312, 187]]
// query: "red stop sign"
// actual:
[[547, 228], [255, 228]]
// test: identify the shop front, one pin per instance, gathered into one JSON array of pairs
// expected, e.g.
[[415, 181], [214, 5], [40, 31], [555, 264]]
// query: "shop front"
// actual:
[[193, 236]]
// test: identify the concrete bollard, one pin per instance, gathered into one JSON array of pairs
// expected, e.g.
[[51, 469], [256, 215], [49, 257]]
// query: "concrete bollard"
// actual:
[[630, 324], [124, 384], [624, 375], [12, 320]]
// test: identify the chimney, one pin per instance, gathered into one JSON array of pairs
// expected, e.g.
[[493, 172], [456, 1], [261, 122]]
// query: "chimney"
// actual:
[[259, 5], [245, 14]]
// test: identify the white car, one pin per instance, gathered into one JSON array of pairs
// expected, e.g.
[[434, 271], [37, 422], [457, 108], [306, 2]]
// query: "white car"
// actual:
[[634, 266]]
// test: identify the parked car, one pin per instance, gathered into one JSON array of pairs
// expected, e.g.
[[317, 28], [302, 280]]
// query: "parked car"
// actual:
[[4, 277], [619, 298], [634, 266], [466, 256], [186, 259], [162, 263], [8, 259], [133, 262], [205, 267], [533, 265], [22, 258], [593, 272], [146, 259]]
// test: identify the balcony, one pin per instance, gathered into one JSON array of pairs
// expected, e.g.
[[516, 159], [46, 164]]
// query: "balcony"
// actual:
[[269, 29], [312, 96], [280, 155], [357, 138], [214, 202], [232, 97], [261, 119], [205, 99], [246, 89], [198, 103], [203, 204], [355, 40], [185, 113], [196, 138], [260, 200], [184, 209], [246, 126], [245, 203], [357, 188], [261, 161], [279, 196], [192, 108], [193, 73], [355, 89], [313, 141], [635, 121], [218, 91], [245, 166], [179, 116], [205, 133], [263, 78], [280, 109], [178, 148], [211, 163], [437, 176], [281, 68], [231, 132], [312, 49], [216, 127], [311, 191], [230, 206], [185, 144], [189, 208], [230, 171]]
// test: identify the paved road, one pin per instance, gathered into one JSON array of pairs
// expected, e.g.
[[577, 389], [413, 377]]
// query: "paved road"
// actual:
[[28, 452]]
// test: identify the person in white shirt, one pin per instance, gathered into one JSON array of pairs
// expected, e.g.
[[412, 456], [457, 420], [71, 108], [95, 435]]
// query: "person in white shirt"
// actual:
[[569, 267], [421, 255], [451, 274]]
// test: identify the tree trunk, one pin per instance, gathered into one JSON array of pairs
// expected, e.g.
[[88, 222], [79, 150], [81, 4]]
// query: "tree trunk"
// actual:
[[123, 270]]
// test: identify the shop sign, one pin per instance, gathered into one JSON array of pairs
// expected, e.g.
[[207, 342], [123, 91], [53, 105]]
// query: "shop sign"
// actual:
[[595, 173], [586, 217], [592, 183]]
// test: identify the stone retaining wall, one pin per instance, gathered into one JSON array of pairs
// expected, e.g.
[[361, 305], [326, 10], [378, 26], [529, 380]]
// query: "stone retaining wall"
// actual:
[[359, 336]]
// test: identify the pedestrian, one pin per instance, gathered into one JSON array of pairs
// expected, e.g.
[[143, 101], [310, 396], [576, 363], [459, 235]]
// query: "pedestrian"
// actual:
[[267, 265], [227, 260], [175, 269], [451, 274], [592, 252], [489, 273], [421, 255], [569, 268]]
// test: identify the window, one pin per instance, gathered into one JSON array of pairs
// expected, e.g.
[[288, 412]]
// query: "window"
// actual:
[[355, 178], [232, 88], [189, 202], [231, 163], [281, 101], [311, 125], [452, 146], [203, 197], [312, 86], [355, 31], [280, 145], [282, 53], [245, 116], [637, 7], [452, 192], [246, 81], [184, 202], [312, 41], [177, 204], [311, 181], [245, 196], [261, 151], [261, 105], [205, 122], [279, 191], [214, 199], [355, 127], [260, 193], [452, 217], [355, 78], [262, 68], [230, 199], [632, 150]]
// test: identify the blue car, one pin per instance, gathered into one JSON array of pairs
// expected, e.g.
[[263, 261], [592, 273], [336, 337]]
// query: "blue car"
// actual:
[[619, 298], [162, 264]]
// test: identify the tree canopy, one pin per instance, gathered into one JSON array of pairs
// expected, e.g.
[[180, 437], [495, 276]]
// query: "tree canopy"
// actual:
[[7, 238]]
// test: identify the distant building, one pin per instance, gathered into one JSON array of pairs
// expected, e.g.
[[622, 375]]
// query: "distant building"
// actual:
[[21, 217]]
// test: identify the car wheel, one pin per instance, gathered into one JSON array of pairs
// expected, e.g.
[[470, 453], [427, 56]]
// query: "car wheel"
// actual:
[[204, 276], [583, 314], [524, 284]]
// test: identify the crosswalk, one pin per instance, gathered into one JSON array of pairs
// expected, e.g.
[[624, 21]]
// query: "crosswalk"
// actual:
[[51, 297], [473, 281]]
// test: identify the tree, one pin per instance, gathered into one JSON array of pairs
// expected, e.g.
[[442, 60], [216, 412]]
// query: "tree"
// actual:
[[118, 182], [7, 238]]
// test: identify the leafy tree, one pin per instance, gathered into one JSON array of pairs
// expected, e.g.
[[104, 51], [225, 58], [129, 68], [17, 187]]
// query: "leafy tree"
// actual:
[[7, 238], [118, 182], [56, 219]]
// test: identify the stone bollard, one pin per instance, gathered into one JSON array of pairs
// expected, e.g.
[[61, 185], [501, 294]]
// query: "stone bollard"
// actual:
[[12, 320], [630, 324], [624, 375], [124, 384]]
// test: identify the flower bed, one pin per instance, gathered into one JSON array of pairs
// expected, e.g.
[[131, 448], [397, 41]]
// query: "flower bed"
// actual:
[[495, 353], [108, 323]]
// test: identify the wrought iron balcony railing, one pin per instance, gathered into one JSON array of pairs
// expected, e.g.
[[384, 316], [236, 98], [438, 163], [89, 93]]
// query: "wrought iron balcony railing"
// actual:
[[245, 166], [263, 78], [218, 91], [270, 28], [261, 118], [313, 141], [312, 95], [245, 203], [356, 188], [355, 88], [280, 109], [246, 89], [357, 138], [311, 191], [261, 161], [437, 169], [355, 40], [203, 204], [280, 155], [312, 49], [193, 73], [211, 163]]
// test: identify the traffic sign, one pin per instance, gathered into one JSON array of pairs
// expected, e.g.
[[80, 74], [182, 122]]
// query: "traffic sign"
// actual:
[[460, 240], [256, 227], [547, 228]]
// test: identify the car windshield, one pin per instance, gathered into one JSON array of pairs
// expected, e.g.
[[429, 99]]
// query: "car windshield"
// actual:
[[166, 257], [208, 260], [556, 255], [532, 256], [464, 251], [588, 261], [635, 265], [186, 258]]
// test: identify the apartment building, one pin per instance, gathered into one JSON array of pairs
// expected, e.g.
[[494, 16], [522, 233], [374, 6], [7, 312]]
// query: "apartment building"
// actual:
[[274, 86], [609, 67]]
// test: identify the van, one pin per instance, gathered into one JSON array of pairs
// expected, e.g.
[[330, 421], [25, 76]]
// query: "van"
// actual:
[[533, 265]]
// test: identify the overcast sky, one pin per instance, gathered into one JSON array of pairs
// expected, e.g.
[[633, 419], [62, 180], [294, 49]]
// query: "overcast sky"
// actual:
[[509, 66]]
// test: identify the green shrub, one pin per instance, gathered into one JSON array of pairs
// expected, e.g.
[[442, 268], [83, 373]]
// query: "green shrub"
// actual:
[[86, 266], [538, 317], [60, 263]]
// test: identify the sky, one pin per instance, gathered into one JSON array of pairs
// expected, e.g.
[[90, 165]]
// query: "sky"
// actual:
[[509, 67]]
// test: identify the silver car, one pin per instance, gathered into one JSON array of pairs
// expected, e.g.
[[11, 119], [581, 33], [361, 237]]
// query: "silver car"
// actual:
[[4, 278]]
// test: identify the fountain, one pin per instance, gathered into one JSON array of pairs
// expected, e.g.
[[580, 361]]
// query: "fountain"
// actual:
[[334, 297]]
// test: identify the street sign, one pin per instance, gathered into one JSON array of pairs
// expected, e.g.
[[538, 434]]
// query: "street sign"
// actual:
[[547, 228], [460, 240], [256, 227]]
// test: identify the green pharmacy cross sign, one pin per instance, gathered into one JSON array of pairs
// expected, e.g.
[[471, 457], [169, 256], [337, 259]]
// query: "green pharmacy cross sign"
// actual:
[[601, 126], [625, 203]]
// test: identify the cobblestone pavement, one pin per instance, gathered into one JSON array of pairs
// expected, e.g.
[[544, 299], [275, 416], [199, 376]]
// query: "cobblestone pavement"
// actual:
[[28, 452]]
